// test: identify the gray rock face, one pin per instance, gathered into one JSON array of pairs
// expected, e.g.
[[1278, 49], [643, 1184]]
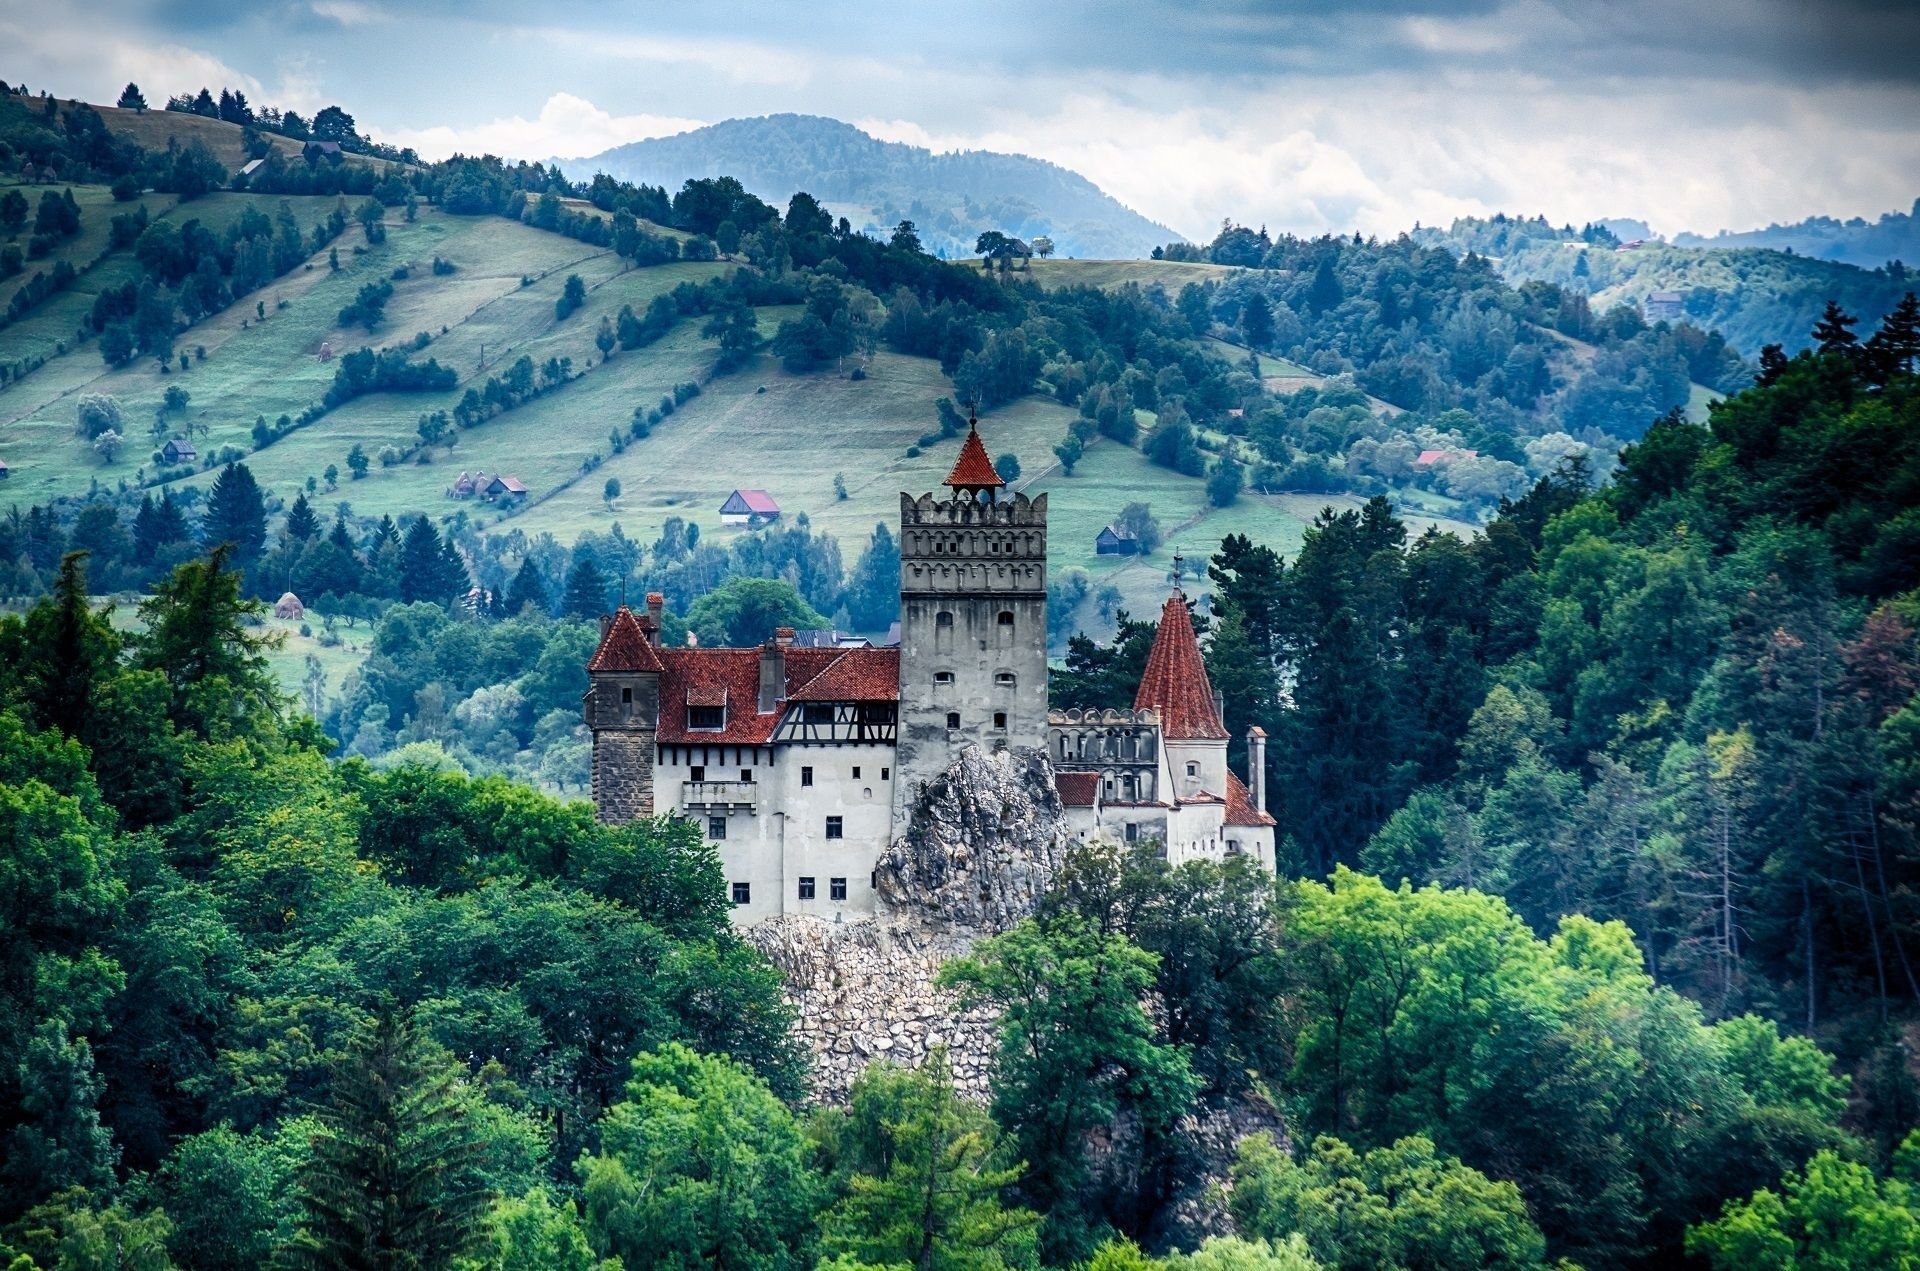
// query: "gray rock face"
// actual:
[[981, 849], [984, 843]]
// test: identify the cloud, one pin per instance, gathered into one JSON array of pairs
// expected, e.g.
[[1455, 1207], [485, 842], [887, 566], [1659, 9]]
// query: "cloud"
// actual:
[[566, 125], [350, 12]]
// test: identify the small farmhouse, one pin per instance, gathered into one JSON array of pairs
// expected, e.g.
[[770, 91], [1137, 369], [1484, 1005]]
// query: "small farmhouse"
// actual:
[[1664, 306], [179, 450], [503, 489], [1115, 542], [744, 507], [327, 152], [1429, 458]]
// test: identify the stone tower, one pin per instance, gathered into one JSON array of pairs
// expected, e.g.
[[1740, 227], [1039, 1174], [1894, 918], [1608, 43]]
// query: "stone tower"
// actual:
[[623, 711], [973, 623]]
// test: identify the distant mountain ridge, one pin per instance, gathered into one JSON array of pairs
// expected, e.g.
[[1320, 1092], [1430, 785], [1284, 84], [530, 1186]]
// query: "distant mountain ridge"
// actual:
[[1858, 241], [951, 197]]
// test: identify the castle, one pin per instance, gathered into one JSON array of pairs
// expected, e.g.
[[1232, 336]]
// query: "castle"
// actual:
[[801, 765]]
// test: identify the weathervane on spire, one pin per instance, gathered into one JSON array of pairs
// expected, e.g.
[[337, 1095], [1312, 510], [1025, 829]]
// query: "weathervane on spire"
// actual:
[[1179, 568]]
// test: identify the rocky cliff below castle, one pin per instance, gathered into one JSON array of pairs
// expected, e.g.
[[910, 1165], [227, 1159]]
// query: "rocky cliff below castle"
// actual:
[[986, 840]]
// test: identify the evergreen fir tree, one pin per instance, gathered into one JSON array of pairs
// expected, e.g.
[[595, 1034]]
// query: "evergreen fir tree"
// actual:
[[62, 1143], [198, 630], [70, 649], [341, 537], [586, 595], [1895, 347], [527, 590], [393, 1182], [1834, 332], [236, 514], [427, 570], [302, 524]]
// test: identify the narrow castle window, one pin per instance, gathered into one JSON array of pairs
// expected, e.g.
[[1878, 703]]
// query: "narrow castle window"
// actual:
[[743, 893], [953, 719], [1193, 770], [886, 774], [716, 827], [806, 776], [943, 632], [856, 772], [833, 827], [698, 772], [806, 887], [836, 889], [626, 697], [1000, 720]]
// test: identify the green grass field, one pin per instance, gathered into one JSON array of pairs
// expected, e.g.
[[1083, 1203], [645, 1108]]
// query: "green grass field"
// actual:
[[759, 427], [1171, 274]]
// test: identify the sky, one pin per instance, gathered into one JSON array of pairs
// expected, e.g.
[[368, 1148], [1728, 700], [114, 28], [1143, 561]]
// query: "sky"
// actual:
[[1305, 116]]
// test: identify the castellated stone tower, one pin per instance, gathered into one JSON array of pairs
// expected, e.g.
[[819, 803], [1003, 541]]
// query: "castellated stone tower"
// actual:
[[973, 624], [623, 711]]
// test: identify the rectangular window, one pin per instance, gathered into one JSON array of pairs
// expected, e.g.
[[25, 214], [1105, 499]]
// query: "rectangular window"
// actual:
[[746, 774], [886, 774], [833, 827], [836, 889], [716, 827], [817, 713], [856, 772], [806, 887], [707, 718], [873, 880], [698, 772], [1133, 831], [806, 776], [1000, 721], [743, 893]]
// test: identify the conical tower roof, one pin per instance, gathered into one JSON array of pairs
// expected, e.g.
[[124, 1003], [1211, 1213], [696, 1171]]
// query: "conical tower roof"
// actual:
[[1175, 682], [625, 646], [973, 470]]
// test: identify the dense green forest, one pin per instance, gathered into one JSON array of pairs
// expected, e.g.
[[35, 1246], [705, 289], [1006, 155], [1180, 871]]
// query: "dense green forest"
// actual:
[[1752, 289], [1642, 753], [1855, 241]]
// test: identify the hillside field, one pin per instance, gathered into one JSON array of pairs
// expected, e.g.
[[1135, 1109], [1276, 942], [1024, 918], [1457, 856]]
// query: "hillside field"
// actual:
[[759, 427]]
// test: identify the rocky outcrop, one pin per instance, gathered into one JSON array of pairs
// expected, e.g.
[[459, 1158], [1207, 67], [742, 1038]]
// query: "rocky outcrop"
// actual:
[[983, 846]]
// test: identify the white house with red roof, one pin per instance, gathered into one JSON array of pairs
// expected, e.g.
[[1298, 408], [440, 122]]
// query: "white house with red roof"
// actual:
[[802, 764], [745, 507]]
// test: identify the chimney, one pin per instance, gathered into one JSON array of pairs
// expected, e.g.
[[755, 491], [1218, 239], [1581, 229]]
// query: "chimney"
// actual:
[[606, 623], [783, 636], [1220, 707], [773, 671], [1257, 766], [655, 604]]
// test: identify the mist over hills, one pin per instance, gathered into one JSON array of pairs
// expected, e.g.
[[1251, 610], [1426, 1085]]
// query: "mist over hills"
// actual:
[[951, 197]]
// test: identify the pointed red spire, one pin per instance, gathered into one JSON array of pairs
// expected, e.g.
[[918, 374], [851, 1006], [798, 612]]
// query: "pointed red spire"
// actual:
[[973, 470], [1175, 683], [625, 646]]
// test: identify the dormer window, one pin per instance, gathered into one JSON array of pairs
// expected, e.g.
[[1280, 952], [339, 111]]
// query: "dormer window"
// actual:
[[706, 718]]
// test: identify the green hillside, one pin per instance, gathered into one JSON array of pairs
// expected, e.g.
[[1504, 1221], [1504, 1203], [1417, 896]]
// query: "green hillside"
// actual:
[[758, 427], [1752, 295]]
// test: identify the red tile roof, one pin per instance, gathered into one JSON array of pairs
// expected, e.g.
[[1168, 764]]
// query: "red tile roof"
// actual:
[[709, 677], [973, 469], [857, 675], [1240, 809], [625, 646], [1175, 682], [1077, 789]]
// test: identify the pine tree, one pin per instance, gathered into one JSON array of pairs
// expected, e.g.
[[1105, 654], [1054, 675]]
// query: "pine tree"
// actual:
[[302, 524], [236, 514], [1895, 347], [340, 536], [1834, 332], [429, 569], [393, 1182], [69, 649], [586, 595], [527, 591], [131, 98], [198, 628]]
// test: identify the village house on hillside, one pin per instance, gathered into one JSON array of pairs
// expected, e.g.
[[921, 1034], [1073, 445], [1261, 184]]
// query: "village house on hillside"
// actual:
[[743, 507], [1115, 542], [503, 489], [1428, 458], [179, 450], [1664, 306], [327, 152]]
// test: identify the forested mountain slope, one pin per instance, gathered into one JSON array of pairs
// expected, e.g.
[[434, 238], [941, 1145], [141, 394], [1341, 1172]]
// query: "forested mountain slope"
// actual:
[[951, 197], [1856, 241], [1752, 295]]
